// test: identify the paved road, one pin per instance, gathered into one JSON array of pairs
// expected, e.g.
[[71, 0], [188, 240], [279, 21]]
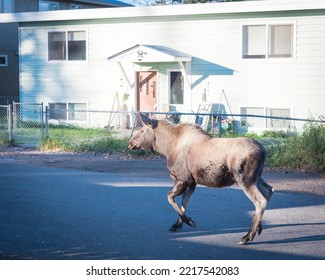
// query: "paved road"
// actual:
[[52, 213]]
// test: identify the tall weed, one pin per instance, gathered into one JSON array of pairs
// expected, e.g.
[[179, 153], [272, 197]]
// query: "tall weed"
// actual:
[[300, 151]]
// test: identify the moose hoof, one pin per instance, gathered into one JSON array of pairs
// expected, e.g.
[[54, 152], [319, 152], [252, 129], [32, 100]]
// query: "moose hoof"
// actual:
[[176, 226], [244, 240], [188, 221], [248, 237]]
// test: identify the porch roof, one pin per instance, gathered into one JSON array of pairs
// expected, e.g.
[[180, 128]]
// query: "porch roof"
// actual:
[[149, 53]]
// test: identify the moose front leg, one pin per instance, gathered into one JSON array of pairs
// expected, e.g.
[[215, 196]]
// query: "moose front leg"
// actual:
[[178, 189]]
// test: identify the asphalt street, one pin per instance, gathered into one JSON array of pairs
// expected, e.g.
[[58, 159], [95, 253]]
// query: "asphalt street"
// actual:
[[51, 213]]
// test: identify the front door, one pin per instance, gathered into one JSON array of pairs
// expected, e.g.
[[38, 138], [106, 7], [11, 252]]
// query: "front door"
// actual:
[[146, 91]]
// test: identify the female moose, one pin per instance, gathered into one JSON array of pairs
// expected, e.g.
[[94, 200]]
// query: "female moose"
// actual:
[[194, 157]]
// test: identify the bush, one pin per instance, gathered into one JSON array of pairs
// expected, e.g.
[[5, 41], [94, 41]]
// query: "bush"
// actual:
[[275, 134], [304, 151]]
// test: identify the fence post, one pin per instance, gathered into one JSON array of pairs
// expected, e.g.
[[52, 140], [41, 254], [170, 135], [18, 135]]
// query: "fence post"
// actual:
[[42, 120], [46, 121], [10, 122], [219, 126]]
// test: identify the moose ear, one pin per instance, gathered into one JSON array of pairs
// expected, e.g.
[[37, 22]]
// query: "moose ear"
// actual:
[[147, 121]]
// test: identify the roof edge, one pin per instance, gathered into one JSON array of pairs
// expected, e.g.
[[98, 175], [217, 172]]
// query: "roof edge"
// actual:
[[170, 10]]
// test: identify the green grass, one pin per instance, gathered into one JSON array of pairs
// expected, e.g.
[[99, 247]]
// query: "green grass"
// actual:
[[304, 151], [90, 140], [4, 143], [4, 138]]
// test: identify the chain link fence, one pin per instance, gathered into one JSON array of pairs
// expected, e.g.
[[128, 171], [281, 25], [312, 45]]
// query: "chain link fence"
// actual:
[[30, 124], [124, 122], [5, 124], [27, 124], [223, 125]]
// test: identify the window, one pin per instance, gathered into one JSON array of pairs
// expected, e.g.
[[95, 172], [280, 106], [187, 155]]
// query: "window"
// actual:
[[278, 123], [68, 111], [75, 6], [7, 6], [3, 60], [254, 44], [75, 111], [176, 88], [70, 45], [280, 41], [267, 41], [48, 6], [248, 121], [76, 45], [57, 46], [269, 123], [58, 111]]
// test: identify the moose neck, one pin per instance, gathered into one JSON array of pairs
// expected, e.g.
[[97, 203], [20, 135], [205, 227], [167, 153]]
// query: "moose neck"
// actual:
[[164, 138]]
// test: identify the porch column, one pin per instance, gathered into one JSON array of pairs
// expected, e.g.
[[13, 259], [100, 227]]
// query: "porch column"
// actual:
[[124, 74], [187, 84]]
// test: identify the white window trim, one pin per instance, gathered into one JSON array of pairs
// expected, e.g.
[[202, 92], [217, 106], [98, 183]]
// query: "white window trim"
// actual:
[[66, 30], [267, 24], [6, 60]]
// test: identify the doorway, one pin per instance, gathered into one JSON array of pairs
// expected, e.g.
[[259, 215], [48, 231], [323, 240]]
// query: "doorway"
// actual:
[[146, 82]]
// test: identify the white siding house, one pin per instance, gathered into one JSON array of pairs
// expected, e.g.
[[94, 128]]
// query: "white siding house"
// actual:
[[256, 57]]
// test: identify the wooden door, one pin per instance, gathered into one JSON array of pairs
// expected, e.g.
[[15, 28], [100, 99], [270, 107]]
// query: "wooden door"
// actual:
[[146, 91]]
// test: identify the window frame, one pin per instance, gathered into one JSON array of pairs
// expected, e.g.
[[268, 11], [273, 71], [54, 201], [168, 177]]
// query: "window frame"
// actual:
[[68, 112], [268, 55], [267, 123], [273, 124], [5, 64], [253, 57], [66, 31], [247, 119]]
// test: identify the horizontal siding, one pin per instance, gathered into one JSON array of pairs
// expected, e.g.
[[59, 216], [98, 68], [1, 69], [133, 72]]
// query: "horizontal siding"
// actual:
[[215, 46]]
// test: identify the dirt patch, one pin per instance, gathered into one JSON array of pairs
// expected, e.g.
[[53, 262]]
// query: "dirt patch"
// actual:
[[281, 180]]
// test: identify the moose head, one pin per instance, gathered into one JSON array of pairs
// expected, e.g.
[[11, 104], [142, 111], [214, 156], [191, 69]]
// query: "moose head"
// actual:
[[145, 137]]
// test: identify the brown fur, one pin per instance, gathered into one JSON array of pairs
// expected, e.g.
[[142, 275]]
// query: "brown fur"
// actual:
[[194, 157]]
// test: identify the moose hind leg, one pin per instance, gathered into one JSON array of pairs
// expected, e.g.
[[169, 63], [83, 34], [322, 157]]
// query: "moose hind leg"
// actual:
[[266, 190], [260, 203]]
